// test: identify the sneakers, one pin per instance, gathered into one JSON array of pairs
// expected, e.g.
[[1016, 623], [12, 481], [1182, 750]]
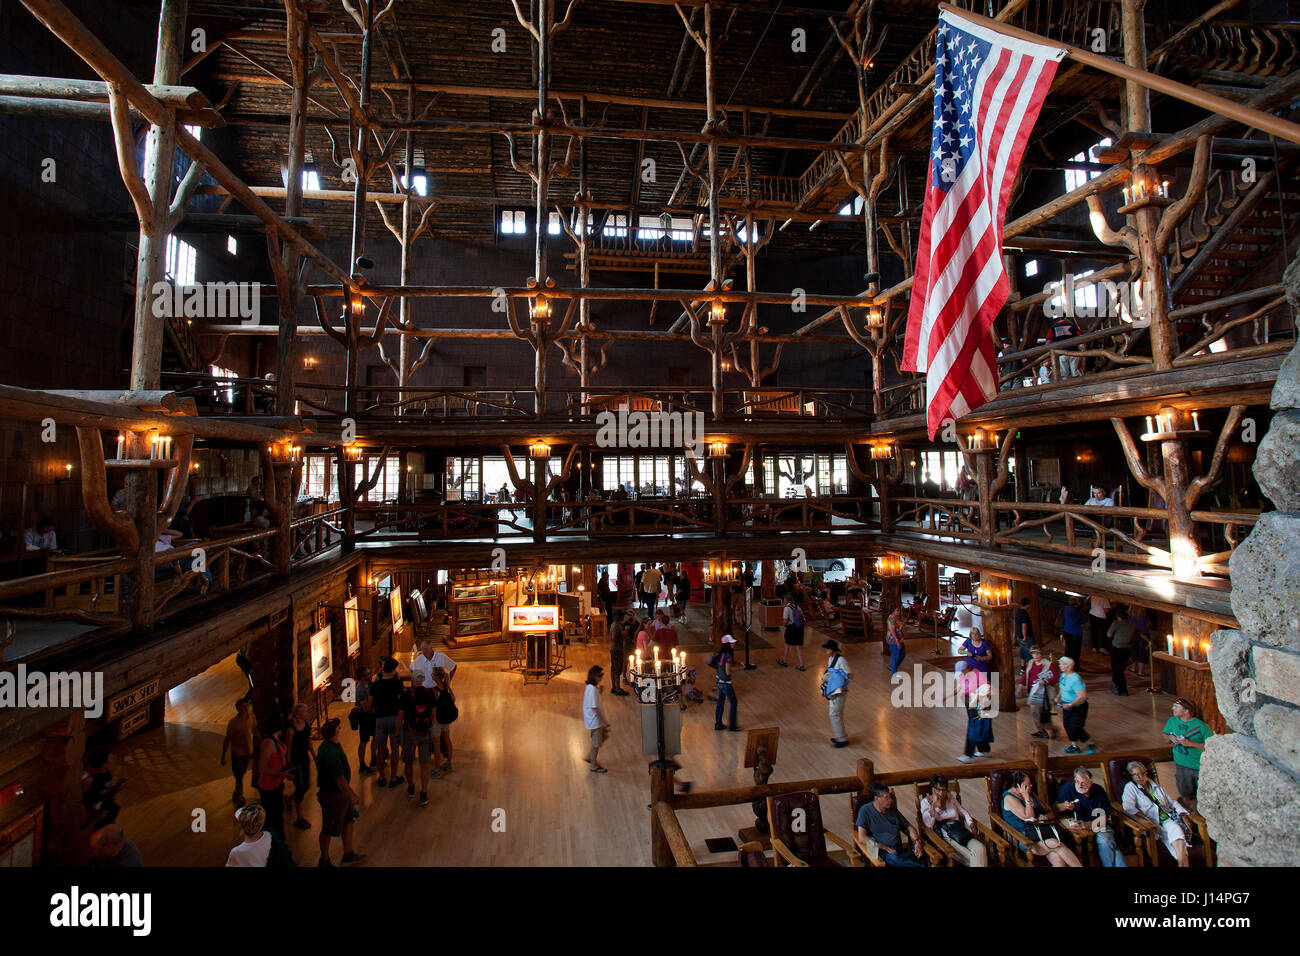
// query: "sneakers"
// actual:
[[410, 789], [382, 781], [351, 859], [446, 768], [1041, 735], [963, 759], [1072, 749], [839, 743], [1092, 748], [366, 769], [424, 799], [325, 863], [435, 774], [396, 782], [781, 663], [719, 727]]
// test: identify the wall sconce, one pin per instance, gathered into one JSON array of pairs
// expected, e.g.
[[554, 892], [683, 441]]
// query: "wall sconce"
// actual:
[[194, 467], [284, 452], [67, 474], [980, 440], [540, 308], [889, 566], [1166, 425], [540, 449], [875, 318], [1144, 189], [726, 365], [718, 448], [121, 443], [309, 362], [358, 305], [991, 597], [718, 312], [160, 447], [882, 452], [351, 452]]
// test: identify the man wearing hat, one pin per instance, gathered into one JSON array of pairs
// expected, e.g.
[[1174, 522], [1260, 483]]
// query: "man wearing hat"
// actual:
[[835, 688]]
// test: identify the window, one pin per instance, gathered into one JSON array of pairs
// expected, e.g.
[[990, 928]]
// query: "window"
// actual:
[[514, 222], [464, 479], [179, 263], [195, 131], [315, 470], [615, 225], [683, 229], [225, 393], [1031, 268], [649, 228], [1074, 178], [421, 183], [618, 471], [743, 234], [232, 245], [553, 224], [386, 488], [941, 467], [853, 208]]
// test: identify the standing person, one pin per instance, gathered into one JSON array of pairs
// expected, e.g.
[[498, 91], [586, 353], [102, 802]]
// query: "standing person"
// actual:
[[1024, 628], [666, 635], [1098, 619], [445, 713], [942, 811], [593, 717], [1122, 636], [422, 666], [99, 789], [339, 803], [365, 708], [793, 618], [645, 637], [606, 594], [620, 640], [109, 847], [1074, 707], [1092, 810], [386, 692], [1072, 621], [273, 768], [301, 755], [240, 743], [1188, 734], [415, 716], [683, 594], [1069, 364], [255, 848], [1142, 646], [651, 581], [976, 696], [894, 638], [1038, 680], [835, 688], [723, 661]]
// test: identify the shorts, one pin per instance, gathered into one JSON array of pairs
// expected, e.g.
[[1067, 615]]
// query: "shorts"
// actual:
[[599, 736], [239, 765], [794, 635], [413, 742], [440, 729], [386, 729], [334, 807], [301, 781], [366, 727], [1188, 779]]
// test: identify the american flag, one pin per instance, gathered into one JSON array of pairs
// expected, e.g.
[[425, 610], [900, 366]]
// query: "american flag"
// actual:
[[988, 89]]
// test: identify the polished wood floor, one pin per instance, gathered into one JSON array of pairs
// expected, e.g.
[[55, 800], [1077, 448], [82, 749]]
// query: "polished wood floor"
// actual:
[[519, 752]]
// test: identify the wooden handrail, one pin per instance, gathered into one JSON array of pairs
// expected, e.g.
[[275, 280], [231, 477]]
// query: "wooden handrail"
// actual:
[[677, 841]]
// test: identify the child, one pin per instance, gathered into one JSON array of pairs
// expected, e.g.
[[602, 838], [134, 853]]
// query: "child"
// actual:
[[690, 693]]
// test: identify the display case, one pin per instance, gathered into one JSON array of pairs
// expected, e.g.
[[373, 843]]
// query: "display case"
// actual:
[[474, 613]]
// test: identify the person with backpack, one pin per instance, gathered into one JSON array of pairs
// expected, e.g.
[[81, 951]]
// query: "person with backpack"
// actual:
[[273, 769], [794, 623], [445, 713], [723, 661], [339, 803], [835, 688], [385, 692], [415, 715]]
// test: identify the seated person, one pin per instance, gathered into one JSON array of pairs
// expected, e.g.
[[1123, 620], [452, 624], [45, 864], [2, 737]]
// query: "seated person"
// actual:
[[978, 651], [1145, 798], [1091, 808], [1024, 814], [943, 812], [42, 538], [880, 820], [166, 542]]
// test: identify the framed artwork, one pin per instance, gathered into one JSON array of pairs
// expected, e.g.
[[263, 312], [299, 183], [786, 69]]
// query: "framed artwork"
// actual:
[[395, 602], [322, 657], [534, 617], [352, 625]]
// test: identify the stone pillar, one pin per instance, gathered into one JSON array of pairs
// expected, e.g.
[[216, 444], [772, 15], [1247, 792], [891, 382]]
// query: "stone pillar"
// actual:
[[1250, 779]]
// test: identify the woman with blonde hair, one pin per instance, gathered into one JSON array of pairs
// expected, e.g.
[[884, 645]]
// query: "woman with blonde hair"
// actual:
[[255, 849]]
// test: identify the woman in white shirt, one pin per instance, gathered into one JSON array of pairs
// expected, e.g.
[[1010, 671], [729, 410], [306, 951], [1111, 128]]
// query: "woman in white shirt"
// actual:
[[256, 848], [943, 812], [1144, 797], [593, 717]]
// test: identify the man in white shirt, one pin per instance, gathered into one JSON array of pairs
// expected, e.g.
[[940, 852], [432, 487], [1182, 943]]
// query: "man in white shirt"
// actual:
[[651, 580], [593, 716], [1099, 497], [1098, 619], [41, 538], [837, 698], [422, 666]]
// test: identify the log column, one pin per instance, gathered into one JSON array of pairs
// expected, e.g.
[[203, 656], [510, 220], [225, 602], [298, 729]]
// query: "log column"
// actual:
[[65, 747], [997, 623]]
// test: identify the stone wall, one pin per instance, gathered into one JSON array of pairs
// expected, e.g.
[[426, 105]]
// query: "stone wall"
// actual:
[[1250, 779]]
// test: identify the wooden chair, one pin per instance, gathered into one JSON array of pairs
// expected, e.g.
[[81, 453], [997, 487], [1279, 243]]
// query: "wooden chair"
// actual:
[[1151, 850], [998, 849], [941, 621], [857, 626], [869, 851], [1082, 841], [996, 784], [801, 841]]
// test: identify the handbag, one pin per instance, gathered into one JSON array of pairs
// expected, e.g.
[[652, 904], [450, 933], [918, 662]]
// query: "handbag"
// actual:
[[955, 830], [1041, 832]]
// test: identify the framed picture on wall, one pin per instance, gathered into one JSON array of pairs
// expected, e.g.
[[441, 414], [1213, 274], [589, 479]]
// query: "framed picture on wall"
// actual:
[[534, 617], [352, 625], [395, 602], [322, 657]]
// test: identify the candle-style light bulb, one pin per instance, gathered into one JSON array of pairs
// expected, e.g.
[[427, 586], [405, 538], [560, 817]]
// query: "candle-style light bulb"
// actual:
[[1170, 639], [1196, 425]]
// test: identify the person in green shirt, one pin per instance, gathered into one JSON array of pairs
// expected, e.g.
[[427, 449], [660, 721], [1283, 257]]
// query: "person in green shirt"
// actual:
[[1188, 734], [339, 803]]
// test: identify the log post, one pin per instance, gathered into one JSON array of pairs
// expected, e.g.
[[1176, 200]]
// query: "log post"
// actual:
[[62, 755], [866, 772], [997, 624], [661, 790], [540, 472]]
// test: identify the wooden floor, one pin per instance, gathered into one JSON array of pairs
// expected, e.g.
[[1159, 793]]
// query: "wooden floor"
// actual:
[[519, 752]]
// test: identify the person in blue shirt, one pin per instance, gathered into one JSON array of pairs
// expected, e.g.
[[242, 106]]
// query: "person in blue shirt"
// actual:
[[1091, 808], [978, 651], [1073, 617], [1024, 814], [881, 821], [1074, 707]]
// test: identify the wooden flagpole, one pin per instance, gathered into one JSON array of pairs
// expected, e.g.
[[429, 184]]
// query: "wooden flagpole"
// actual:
[[1190, 94]]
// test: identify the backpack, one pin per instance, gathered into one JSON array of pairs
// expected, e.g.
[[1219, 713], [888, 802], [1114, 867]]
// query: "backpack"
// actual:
[[280, 857], [796, 616], [714, 660], [445, 709], [834, 680], [419, 722]]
